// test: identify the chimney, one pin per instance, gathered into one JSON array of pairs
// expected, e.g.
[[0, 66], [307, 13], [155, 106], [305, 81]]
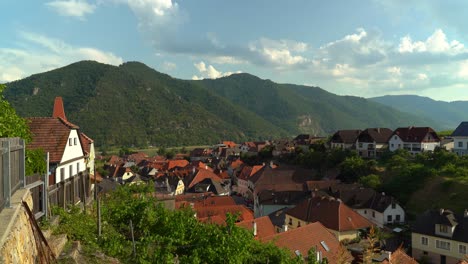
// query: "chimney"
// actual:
[[285, 228], [59, 111], [254, 228]]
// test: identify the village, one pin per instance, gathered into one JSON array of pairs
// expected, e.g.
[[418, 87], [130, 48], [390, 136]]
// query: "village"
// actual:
[[292, 206]]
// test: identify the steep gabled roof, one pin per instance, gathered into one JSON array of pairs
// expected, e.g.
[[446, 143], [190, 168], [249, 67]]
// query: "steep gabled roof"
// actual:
[[333, 213], [417, 134], [378, 135], [50, 134], [86, 143], [264, 226], [399, 256], [313, 235], [171, 164], [203, 174], [461, 130], [346, 136]]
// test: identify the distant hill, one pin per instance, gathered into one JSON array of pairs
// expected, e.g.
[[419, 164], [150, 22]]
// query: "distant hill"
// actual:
[[132, 104], [447, 115]]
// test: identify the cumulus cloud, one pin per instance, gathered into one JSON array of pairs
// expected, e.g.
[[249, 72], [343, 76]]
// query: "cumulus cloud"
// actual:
[[436, 43], [279, 53], [40, 53], [209, 72], [72, 8], [169, 66]]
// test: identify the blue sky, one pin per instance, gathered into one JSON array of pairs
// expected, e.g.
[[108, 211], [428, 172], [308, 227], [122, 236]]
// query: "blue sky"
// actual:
[[354, 47]]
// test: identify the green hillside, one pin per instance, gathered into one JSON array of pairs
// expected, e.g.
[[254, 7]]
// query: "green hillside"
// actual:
[[133, 104], [447, 114]]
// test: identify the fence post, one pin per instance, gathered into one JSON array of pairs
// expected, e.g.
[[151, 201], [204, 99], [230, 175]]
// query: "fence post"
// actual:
[[22, 165], [6, 174], [45, 195]]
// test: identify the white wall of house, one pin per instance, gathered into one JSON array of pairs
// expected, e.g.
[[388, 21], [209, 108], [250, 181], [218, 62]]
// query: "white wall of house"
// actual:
[[242, 187], [180, 188], [396, 142], [460, 145], [372, 215], [73, 151], [91, 158], [394, 211]]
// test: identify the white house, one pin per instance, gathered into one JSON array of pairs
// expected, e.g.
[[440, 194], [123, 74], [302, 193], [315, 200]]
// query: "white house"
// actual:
[[414, 139], [61, 140], [460, 139], [345, 139], [372, 142]]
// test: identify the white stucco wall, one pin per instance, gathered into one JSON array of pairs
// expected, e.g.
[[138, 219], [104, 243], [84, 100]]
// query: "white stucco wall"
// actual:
[[71, 152]]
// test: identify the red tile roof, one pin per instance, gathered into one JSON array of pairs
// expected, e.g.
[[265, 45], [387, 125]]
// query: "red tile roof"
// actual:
[[346, 136], [333, 213], [171, 164], [86, 143], [265, 227], [50, 134], [417, 134], [235, 164], [305, 237], [215, 219], [400, 256], [205, 201], [201, 175], [229, 144], [243, 212]]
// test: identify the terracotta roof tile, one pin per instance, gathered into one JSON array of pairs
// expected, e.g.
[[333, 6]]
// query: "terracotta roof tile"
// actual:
[[203, 174], [346, 136], [171, 164], [50, 134], [86, 143], [305, 237], [265, 227], [243, 212], [205, 201], [333, 213], [400, 256], [378, 135]]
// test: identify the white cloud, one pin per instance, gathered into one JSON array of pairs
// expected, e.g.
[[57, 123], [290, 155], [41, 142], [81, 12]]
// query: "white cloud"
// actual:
[[40, 53], [436, 43], [422, 76], [209, 72], [394, 71], [73, 8], [279, 53], [463, 70]]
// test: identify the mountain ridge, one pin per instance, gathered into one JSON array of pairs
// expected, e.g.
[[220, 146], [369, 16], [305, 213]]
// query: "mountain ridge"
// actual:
[[133, 104]]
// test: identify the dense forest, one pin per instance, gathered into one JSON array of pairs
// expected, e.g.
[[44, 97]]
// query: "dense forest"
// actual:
[[134, 105]]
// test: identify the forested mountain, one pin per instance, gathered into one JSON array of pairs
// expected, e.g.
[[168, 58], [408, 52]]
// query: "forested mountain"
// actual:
[[133, 104], [447, 114]]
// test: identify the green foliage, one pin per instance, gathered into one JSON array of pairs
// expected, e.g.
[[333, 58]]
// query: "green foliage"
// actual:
[[35, 161], [11, 125], [134, 105], [354, 167], [372, 181]]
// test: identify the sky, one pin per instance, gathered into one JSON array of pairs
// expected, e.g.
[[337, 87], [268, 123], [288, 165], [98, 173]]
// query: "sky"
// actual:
[[363, 48]]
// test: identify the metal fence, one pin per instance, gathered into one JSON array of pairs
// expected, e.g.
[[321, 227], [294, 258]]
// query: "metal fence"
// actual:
[[12, 168]]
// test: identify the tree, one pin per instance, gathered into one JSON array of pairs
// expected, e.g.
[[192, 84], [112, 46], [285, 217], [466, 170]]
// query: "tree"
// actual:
[[372, 181], [343, 256], [371, 248], [12, 125]]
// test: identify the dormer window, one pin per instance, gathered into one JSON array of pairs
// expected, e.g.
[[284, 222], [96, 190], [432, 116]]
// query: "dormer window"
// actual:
[[443, 229]]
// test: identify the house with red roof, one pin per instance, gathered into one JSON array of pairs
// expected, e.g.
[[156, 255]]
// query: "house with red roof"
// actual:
[[242, 185], [345, 139], [338, 218], [372, 142], [414, 139], [313, 235], [63, 141]]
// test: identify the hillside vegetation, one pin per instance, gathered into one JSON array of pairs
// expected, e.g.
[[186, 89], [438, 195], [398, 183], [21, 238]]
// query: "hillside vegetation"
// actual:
[[133, 104]]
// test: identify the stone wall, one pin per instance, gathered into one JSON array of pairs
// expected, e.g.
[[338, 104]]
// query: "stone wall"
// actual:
[[17, 242]]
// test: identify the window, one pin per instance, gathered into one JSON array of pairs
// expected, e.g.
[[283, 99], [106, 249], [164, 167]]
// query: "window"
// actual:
[[365, 211], [392, 145], [397, 217], [290, 221], [460, 144], [393, 205], [389, 218], [71, 170], [75, 141], [424, 241], [77, 167], [298, 223], [373, 214], [443, 244], [443, 228], [360, 145], [462, 249], [69, 142], [395, 138]]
